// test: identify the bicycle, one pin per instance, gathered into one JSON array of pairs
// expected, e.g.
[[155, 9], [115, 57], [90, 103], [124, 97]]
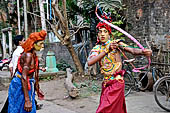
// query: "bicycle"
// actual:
[[134, 81], [162, 92], [4, 62]]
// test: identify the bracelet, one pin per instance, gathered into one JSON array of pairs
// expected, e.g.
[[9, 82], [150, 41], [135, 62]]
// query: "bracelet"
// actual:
[[123, 46]]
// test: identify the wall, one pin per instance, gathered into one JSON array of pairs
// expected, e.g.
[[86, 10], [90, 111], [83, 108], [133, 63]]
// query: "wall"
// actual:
[[149, 19], [60, 51]]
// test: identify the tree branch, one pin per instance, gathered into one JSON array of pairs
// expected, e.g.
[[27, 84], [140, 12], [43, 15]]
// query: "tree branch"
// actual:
[[54, 28], [65, 12], [39, 16], [57, 26], [70, 21], [79, 29], [65, 19], [59, 15]]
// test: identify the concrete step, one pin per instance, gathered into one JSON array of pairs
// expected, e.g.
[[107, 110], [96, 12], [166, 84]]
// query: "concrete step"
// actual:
[[5, 76]]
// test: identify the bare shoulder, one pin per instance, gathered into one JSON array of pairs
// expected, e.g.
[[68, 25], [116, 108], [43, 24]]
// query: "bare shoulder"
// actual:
[[27, 57], [28, 54]]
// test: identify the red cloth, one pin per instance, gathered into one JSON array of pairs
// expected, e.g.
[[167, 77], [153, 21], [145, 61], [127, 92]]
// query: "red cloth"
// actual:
[[104, 25], [30, 71], [112, 99]]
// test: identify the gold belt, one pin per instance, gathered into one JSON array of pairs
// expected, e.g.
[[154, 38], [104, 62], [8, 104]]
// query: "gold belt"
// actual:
[[118, 78], [19, 76], [111, 77]]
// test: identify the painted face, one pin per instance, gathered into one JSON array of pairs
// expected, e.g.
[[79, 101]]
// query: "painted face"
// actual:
[[103, 35], [39, 45]]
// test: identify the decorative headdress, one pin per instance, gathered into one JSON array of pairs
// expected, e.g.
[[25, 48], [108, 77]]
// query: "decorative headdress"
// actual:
[[33, 37], [104, 25]]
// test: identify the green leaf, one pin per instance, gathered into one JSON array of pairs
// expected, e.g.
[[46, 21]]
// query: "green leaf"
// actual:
[[119, 34], [109, 4]]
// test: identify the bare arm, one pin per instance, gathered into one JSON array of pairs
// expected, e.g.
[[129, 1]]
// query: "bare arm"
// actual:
[[96, 58], [27, 58], [11, 71], [136, 51], [42, 69], [11, 64]]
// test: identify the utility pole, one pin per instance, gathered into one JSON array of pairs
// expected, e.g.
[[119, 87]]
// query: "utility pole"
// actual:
[[19, 23], [43, 23], [25, 18]]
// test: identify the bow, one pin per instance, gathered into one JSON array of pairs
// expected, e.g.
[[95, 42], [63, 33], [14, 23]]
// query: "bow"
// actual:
[[129, 36]]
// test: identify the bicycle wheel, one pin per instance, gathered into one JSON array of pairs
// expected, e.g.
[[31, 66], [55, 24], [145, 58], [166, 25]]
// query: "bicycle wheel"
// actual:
[[158, 74], [162, 92], [1, 50], [128, 83]]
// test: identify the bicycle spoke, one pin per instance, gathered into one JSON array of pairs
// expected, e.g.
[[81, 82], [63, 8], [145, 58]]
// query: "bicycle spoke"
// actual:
[[162, 93], [128, 83]]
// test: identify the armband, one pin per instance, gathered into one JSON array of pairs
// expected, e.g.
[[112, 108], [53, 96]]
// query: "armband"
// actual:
[[123, 46]]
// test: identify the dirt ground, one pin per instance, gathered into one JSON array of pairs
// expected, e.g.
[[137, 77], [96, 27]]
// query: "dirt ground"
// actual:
[[56, 93], [88, 98]]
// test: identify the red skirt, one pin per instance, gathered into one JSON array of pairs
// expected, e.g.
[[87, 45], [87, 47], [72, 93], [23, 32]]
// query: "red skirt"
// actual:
[[112, 99]]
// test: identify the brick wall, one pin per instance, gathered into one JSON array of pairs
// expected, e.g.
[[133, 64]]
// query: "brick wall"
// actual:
[[149, 19]]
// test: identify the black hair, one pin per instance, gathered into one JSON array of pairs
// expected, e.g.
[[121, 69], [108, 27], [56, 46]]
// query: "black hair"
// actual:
[[17, 39]]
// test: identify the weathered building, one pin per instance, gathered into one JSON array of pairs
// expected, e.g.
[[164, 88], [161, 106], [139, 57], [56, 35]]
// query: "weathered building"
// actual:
[[149, 19]]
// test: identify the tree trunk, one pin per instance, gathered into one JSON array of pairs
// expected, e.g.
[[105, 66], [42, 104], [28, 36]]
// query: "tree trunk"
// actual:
[[70, 48], [65, 37], [75, 57]]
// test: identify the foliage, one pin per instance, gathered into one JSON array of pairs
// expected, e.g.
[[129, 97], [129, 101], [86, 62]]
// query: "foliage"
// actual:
[[87, 7], [116, 33], [72, 9], [30, 0], [88, 87], [90, 5], [63, 65], [72, 6], [3, 6], [10, 12], [120, 21], [46, 78], [115, 9], [2, 9], [111, 4]]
